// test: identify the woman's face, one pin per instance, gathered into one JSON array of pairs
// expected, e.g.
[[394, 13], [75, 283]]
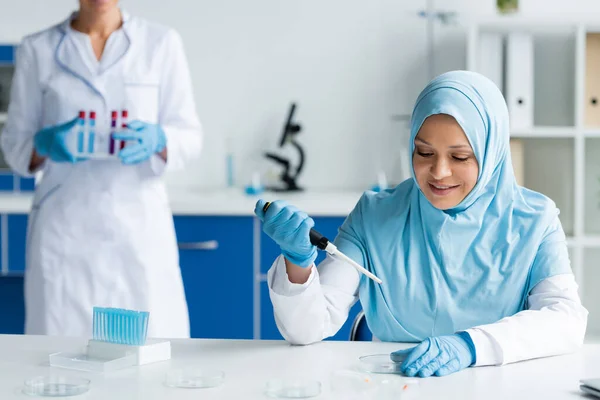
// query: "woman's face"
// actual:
[[444, 162], [98, 5]]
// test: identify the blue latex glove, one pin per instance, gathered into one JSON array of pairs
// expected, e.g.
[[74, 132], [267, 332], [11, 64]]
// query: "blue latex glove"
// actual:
[[51, 142], [438, 356], [150, 139], [289, 228]]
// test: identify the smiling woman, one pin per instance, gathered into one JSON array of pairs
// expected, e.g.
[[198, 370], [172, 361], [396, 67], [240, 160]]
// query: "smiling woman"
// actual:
[[444, 164], [474, 266]]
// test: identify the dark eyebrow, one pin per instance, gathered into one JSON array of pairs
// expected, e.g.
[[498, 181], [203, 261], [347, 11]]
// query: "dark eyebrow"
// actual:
[[458, 146]]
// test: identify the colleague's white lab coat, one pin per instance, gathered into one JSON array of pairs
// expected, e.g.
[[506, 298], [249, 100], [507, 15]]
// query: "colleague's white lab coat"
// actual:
[[554, 322], [101, 233]]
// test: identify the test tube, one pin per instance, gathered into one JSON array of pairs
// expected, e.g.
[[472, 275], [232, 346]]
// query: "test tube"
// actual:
[[113, 128], [92, 134], [124, 115], [81, 133]]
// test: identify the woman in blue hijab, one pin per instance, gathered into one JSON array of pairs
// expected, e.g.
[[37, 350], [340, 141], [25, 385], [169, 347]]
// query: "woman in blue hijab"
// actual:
[[474, 267]]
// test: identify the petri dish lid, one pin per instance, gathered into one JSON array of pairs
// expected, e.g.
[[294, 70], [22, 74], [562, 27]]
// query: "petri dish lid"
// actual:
[[55, 386], [379, 364], [194, 378], [292, 388], [83, 362]]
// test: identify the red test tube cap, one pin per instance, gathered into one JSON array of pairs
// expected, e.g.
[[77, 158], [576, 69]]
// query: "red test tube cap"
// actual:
[[124, 113], [114, 114], [82, 114], [93, 114]]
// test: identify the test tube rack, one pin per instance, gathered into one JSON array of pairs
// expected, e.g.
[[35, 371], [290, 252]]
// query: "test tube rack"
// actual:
[[90, 143]]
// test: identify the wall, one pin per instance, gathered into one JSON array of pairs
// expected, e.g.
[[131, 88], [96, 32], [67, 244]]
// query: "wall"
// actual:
[[350, 65]]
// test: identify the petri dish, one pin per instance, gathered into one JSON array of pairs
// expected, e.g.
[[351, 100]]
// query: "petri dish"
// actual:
[[379, 364], [194, 378], [55, 386], [293, 388]]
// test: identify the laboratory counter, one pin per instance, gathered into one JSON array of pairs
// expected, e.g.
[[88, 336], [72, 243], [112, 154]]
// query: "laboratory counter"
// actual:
[[248, 365], [223, 202]]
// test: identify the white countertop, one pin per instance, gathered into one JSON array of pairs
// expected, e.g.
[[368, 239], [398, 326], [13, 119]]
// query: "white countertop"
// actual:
[[236, 202], [225, 202], [248, 365]]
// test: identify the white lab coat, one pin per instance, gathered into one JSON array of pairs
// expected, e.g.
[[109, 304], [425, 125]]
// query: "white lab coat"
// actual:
[[554, 322], [101, 233]]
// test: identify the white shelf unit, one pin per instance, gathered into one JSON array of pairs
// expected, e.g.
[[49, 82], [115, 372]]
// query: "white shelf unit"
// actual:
[[574, 168]]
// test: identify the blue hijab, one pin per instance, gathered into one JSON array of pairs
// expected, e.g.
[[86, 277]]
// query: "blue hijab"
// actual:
[[474, 264]]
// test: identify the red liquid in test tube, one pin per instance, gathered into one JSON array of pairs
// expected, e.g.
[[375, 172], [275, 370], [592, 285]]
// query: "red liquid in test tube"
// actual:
[[80, 133], [124, 114], [113, 128], [92, 132]]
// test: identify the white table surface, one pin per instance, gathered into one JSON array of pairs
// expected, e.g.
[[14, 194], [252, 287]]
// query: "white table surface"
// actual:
[[249, 364], [225, 202]]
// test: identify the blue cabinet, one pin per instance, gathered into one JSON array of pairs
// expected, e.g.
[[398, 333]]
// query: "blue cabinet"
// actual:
[[17, 237], [7, 54], [328, 226], [26, 184], [12, 305], [7, 181], [12, 248], [216, 265]]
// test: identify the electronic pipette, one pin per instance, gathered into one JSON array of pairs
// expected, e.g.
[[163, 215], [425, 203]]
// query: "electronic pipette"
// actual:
[[324, 244]]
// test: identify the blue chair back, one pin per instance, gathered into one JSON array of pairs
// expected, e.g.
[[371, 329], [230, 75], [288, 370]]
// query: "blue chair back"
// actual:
[[360, 331]]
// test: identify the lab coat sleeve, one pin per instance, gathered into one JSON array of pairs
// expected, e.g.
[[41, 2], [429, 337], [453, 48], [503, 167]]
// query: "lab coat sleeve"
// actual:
[[24, 112], [310, 312], [317, 309], [177, 116], [553, 324]]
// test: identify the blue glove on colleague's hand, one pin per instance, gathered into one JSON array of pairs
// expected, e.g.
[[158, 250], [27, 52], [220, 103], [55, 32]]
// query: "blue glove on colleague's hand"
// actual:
[[289, 228], [149, 138], [438, 356], [51, 142]]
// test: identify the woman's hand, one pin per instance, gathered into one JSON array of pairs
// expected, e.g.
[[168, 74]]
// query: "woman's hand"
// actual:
[[438, 356]]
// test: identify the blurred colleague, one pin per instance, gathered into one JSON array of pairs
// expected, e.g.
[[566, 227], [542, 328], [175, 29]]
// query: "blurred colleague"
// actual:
[[101, 231]]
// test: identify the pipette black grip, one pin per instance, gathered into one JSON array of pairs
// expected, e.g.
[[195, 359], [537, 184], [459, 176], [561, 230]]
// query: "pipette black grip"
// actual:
[[315, 237], [318, 240]]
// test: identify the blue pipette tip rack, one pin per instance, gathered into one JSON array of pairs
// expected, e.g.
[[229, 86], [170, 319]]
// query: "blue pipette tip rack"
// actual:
[[117, 325], [119, 341]]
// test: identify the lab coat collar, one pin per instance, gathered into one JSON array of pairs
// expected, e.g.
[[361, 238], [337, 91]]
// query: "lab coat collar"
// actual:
[[67, 53]]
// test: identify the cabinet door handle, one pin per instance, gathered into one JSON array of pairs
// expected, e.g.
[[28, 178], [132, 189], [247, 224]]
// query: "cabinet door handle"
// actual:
[[208, 245]]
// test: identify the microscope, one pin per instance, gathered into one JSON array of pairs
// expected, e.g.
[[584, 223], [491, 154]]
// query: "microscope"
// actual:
[[289, 175]]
